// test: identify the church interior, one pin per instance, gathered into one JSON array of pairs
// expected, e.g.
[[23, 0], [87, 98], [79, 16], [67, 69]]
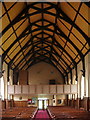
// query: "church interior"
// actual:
[[44, 60]]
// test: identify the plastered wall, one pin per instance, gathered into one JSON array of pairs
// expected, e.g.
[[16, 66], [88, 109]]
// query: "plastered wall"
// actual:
[[86, 78], [49, 97], [5, 80], [11, 77], [87, 75], [42, 72]]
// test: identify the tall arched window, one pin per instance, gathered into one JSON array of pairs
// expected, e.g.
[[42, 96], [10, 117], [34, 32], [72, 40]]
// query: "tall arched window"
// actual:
[[2, 88], [82, 87]]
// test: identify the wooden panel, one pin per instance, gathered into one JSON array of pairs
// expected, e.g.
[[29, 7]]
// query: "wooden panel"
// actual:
[[17, 89], [66, 89], [20, 103], [52, 88], [10, 89], [23, 77], [73, 88], [0, 104], [3, 104], [39, 89], [25, 89], [42, 89], [60, 89], [32, 89], [45, 89]]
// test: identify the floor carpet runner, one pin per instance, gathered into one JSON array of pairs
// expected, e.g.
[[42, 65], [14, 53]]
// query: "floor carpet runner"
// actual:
[[42, 115]]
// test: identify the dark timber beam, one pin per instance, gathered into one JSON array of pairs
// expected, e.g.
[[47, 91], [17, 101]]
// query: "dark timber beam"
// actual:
[[52, 52], [65, 17], [36, 43], [63, 35], [20, 37], [42, 28], [23, 34], [36, 52], [23, 15], [27, 55], [28, 44], [71, 76], [76, 73], [88, 4], [8, 73], [17, 18], [31, 50], [53, 58], [58, 45]]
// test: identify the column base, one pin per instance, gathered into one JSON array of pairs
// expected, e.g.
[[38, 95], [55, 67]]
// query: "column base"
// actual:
[[86, 103], [78, 103]]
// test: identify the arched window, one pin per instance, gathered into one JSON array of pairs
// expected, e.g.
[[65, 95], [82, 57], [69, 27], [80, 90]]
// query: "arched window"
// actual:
[[2, 88], [82, 87]]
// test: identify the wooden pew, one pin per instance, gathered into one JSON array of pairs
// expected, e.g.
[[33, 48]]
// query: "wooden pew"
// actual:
[[68, 113], [18, 113]]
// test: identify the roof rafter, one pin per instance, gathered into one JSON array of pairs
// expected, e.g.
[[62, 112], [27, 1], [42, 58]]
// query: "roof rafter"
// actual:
[[65, 17], [49, 52], [43, 28], [42, 55]]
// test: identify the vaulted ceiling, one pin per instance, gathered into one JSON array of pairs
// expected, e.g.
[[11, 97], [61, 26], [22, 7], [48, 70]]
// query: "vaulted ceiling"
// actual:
[[53, 32]]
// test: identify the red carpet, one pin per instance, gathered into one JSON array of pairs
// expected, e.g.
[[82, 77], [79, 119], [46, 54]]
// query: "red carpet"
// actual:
[[42, 115]]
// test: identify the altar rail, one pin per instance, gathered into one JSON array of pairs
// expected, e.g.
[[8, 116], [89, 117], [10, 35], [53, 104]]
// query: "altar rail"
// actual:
[[42, 89]]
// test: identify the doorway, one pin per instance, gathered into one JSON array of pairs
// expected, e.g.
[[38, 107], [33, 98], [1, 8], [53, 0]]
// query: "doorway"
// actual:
[[42, 103]]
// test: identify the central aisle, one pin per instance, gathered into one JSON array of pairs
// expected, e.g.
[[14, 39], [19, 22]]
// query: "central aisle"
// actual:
[[42, 114]]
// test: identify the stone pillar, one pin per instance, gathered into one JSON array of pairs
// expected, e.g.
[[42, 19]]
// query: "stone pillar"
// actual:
[[51, 102], [89, 79], [72, 104], [7, 104], [48, 102], [87, 83], [0, 104], [54, 100], [66, 100], [37, 103], [78, 103], [79, 86], [43, 104], [12, 103], [86, 103]]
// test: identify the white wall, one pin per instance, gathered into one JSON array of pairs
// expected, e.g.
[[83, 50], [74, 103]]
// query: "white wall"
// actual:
[[69, 78], [5, 79], [49, 97], [79, 67], [86, 86], [73, 76], [42, 72], [11, 77], [87, 75]]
